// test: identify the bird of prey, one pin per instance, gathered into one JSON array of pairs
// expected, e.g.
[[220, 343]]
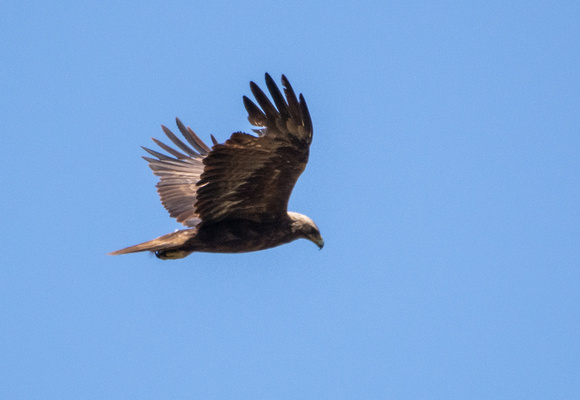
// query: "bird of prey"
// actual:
[[233, 197]]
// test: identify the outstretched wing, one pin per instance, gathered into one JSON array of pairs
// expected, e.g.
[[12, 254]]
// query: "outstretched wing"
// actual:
[[246, 177], [252, 177], [179, 174]]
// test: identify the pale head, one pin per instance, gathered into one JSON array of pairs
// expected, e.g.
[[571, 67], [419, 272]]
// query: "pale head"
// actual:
[[303, 227]]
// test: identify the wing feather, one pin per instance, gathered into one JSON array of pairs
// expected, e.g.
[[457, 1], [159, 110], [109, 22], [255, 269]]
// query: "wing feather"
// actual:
[[255, 115], [293, 103], [264, 102], [192, 138], [252, 177], [247, 176], [179, 174], [278, 98], [190, 152], [170, 150]]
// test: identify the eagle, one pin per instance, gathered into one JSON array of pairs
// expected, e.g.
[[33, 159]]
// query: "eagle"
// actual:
[[233, 197]]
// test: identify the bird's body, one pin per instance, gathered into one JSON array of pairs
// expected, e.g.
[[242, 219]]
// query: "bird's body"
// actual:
[[234, 196]]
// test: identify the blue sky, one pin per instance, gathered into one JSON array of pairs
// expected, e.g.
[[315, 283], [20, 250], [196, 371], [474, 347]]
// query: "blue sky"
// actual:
[[444, 176]]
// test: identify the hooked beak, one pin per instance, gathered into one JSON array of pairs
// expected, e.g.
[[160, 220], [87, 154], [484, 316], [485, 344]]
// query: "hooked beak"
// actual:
[[319, 242]]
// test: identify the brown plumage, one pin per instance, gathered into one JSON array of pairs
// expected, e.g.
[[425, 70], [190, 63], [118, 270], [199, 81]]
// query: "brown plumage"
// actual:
[[234, 196]]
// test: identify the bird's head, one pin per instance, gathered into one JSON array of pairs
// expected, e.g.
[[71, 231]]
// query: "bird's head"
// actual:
[[304, 227]]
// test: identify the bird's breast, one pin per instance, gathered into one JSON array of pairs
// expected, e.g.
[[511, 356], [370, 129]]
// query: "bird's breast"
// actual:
[[239, 236]]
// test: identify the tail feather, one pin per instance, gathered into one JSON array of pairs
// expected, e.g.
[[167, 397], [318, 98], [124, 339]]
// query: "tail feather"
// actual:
[[169, 243]]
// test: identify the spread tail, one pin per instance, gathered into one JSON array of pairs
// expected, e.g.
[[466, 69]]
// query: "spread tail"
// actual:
[[165, 247]]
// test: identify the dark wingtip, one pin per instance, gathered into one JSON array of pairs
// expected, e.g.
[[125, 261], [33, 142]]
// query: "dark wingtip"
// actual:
[[306, 119], [285, 81], [255, 115]]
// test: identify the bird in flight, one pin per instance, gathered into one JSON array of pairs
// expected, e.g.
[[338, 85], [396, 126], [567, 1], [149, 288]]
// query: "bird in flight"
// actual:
[[233, 197]]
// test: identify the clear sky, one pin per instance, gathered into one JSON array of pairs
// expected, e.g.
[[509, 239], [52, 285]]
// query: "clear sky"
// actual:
[[444, 176]]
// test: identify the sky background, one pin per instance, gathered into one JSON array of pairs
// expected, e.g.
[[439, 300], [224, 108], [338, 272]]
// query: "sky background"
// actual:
[[444, 176]]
